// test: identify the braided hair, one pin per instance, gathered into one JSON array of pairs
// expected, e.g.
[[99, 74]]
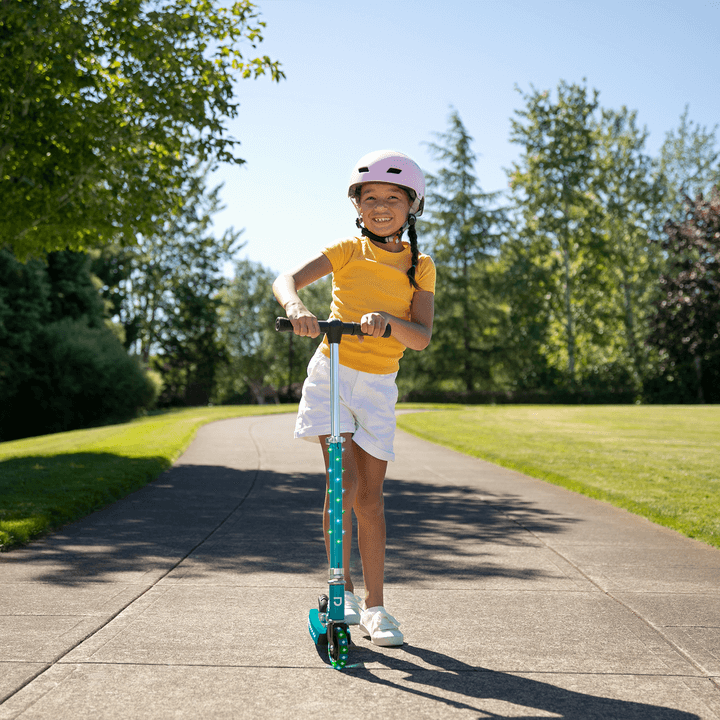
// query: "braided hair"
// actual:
[[412, 236]]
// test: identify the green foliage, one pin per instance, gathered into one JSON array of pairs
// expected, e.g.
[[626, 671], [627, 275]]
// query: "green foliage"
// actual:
[[689, 163], [25, 302], [61, 367], [165, 291], [686, 319], [560, 299], [629, 194], [558, 215], [106, 108], [259, 358], [464, 229], [82, 376]]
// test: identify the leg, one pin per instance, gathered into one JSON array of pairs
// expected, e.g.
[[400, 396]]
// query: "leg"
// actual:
[[363, 478], [370, 512]]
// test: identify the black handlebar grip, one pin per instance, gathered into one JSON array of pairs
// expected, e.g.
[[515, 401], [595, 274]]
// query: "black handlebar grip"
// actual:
[[284, 325]]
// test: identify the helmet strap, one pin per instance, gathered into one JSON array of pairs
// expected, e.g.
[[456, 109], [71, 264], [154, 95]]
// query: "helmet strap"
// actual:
[[397, 237]]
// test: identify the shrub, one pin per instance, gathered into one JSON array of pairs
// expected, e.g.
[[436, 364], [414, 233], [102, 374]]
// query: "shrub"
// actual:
[[81, 377]]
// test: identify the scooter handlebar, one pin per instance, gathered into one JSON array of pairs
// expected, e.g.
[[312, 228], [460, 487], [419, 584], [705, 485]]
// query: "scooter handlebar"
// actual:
[[284, 325]]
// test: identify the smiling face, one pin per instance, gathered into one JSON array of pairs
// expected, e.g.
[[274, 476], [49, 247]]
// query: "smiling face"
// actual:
[[384, 208]]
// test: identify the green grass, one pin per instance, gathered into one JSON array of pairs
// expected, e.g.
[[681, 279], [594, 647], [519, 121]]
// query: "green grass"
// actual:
[[49, 481], [661, 462]]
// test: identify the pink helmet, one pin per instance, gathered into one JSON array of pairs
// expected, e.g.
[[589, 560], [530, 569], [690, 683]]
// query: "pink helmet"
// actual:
[[389, 166]]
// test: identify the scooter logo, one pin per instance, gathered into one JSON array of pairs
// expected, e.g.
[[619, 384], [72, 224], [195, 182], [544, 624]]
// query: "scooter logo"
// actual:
[[338, 601]]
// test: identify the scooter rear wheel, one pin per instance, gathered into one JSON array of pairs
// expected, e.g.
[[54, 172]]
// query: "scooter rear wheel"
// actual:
[[323, 602]]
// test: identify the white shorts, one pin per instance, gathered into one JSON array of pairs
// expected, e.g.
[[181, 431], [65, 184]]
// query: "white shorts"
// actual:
[[367, 407]]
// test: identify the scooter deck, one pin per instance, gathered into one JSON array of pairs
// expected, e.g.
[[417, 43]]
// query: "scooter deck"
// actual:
[[318, 629]]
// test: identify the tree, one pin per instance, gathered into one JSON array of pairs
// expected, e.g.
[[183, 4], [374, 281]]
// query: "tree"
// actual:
[[247, 315], [262, 361], [558, 215], [686, 322], [106, 109], [689, 164], [629, 195], [61, 367], [165, 291], [465, 229]]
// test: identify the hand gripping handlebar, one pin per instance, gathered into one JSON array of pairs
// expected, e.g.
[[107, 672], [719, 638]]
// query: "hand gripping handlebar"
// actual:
[[332, 328]]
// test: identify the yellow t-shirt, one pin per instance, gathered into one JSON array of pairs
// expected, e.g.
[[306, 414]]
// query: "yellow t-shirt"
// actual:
[[366, 279]]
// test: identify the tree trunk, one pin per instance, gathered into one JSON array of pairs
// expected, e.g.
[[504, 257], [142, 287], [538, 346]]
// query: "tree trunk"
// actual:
[[467, 340], [569, 325], [630, 324], [698, 372], [291, 360]]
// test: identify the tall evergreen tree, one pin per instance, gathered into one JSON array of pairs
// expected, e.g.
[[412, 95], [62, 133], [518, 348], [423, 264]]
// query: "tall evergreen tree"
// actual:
[[464, 229]]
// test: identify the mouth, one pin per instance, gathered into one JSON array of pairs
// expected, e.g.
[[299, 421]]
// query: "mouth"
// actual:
[[382, 220]]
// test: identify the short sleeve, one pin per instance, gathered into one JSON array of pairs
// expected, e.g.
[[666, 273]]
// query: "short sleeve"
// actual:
[[425, 275], [340, 253]]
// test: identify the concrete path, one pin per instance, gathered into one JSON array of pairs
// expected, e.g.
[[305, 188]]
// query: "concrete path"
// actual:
[[189, 599]]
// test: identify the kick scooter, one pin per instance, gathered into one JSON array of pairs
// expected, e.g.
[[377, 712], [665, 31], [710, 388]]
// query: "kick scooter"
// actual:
[[327, 624]]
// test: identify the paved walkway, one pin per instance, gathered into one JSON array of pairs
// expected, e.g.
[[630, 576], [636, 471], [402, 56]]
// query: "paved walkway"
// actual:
[[189, 599]]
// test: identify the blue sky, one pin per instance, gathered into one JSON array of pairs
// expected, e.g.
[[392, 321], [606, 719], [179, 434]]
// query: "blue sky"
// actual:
[[371, 75]]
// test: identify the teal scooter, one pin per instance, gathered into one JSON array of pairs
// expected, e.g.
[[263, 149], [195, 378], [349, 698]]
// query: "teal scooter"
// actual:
[[327, 624]]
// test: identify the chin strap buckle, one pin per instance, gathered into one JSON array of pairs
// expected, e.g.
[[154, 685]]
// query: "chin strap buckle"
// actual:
[[390, 238]]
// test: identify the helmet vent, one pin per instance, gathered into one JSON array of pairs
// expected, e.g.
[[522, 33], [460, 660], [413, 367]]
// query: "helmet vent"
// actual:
[[394, 171], [363, 169]]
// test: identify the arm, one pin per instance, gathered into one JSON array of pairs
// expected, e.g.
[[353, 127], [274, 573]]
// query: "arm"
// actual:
[[286, 288], [415, 333]]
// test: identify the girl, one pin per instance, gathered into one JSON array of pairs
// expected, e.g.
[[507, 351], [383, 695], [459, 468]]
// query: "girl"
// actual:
[[378, 278]]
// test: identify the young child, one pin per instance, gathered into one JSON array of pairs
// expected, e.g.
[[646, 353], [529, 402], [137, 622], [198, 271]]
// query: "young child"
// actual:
[[378, 278]]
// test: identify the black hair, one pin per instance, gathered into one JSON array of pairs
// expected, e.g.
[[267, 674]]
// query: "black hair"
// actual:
[[412, 236]]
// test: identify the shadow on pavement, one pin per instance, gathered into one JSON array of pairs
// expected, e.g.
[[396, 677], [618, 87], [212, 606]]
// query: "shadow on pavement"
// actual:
[[448, 675], [246, 521]]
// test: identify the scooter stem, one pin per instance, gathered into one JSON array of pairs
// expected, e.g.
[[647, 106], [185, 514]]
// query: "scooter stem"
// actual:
[[336, 581]]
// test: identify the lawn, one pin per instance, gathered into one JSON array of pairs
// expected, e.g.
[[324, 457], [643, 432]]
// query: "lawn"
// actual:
[[662, 462], [659, 462], [48, 481]]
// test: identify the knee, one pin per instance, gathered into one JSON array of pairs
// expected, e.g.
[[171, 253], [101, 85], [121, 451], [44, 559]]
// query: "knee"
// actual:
[[370, 505]]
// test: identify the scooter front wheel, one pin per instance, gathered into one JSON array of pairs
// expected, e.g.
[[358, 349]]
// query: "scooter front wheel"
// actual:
[[338, 644]]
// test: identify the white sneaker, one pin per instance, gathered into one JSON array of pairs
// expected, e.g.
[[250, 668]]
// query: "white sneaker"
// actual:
[[381, 626], [352, 608]]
